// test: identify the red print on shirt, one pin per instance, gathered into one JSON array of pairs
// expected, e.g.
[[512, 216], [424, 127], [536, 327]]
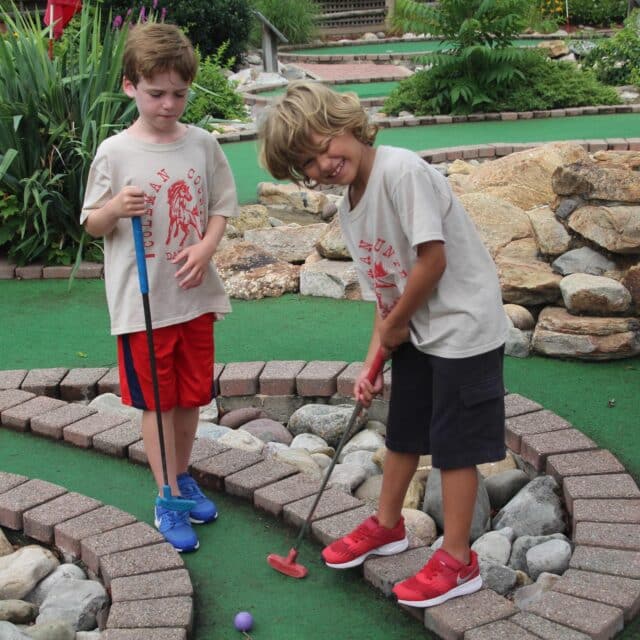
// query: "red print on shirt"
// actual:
[[181, 216], [384, 271]]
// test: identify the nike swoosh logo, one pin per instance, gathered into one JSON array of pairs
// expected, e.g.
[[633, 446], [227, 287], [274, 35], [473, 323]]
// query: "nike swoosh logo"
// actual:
[[460, 580]]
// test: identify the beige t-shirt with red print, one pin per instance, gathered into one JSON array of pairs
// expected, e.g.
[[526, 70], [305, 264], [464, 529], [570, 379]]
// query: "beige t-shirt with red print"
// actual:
[[185, 182], [407, 202]]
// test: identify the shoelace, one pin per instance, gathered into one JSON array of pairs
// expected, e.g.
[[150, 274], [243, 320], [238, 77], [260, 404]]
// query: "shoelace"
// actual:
[[173, 517], [189, 489]]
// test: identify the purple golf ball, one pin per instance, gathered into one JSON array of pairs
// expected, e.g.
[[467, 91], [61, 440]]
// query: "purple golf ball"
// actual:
[[243, 621]]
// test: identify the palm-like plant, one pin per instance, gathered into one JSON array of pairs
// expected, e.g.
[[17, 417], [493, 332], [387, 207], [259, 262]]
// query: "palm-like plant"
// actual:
[[477, 56], [53, 115]]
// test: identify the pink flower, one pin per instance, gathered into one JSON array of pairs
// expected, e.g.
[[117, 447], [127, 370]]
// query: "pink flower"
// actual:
[[117, 22]]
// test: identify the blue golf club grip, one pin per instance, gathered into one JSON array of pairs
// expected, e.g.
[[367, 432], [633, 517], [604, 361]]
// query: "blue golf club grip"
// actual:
[[140, 259]]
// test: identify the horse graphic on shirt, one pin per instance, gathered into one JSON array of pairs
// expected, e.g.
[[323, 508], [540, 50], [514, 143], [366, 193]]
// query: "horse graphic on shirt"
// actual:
[[181, 217]]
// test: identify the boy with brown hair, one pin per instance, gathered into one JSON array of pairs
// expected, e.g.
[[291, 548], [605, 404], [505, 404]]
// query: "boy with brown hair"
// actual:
[[177, 180], [439, 316]]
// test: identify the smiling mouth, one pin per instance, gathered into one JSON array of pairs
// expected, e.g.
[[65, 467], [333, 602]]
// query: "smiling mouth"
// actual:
[[337, 170]]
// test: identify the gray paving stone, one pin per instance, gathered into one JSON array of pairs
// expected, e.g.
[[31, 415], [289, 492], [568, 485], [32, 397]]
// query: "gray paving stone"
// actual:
[[81, 433], [245, 482], [44, 382], [13, 397], [12, 379], [501, 630], [280, 408], [582, 463], [531, 423], [383, 572], [69, 534], [205, 448], [82, 383], [29, 272], [160, 584], [536, 448], [333, 501], [89, 270], [612, 485], [131, 536], [156, 557], [612, 536], [38, 523], [598, 621], [240, 378], [52, 423], [614, 562], [453, 618], [623, 593], [19, 417], [10, 480], [319, 378], [546, 629], [163, 612], [157, 633], [274, 497], [611, 510], [25, 496], [211, 472], [333, 527], [517, 405], [56, 272], [110, 383], [278, 378], [7, 269], [116, 441]]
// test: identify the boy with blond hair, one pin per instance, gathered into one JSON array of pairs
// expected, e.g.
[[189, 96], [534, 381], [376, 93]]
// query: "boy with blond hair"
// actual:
[[438, 315], [177, 180]]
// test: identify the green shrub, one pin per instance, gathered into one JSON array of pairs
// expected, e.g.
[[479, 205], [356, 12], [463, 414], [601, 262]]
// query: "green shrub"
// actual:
[[212, 95], [543, 84], [597, 12], [295, 19], [208, 23], [53, 116], [616, 60], [478, 57]]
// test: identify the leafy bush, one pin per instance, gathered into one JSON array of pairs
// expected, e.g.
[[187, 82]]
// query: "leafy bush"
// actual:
[[616, 60], [295, 19], [478, 58], [208, 23], [212, 95], [597, 12], [53, 116], [544, 84]]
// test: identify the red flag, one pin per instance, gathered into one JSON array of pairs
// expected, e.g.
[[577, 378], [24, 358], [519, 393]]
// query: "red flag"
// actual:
[[63, 11]]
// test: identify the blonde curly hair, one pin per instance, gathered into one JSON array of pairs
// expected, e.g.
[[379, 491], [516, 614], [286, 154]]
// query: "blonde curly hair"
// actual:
[[286, 128]]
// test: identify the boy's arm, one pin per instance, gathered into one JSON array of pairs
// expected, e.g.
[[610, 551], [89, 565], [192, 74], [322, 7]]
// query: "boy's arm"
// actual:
[[196, 257], [422, 280], [127, 204]]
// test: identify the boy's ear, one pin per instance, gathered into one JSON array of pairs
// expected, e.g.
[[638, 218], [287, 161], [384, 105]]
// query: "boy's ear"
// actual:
[[128, 87]]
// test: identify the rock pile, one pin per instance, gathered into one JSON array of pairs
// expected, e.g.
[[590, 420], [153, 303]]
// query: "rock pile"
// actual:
[[563, 227]]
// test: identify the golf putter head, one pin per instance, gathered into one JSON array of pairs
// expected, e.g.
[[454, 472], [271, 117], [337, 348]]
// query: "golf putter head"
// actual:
[[174, 503], [287, 566]]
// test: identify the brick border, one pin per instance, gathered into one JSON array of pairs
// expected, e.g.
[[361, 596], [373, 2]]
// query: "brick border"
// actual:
[[597, 596]]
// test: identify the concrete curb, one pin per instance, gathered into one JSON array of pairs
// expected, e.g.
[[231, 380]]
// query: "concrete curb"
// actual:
[[594, 599]]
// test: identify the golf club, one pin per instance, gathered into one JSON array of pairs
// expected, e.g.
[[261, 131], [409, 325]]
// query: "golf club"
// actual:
[[167, 501], [288, 565]]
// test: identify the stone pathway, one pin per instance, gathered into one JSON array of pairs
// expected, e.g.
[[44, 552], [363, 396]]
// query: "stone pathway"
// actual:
[[363, 71], [595, 598]]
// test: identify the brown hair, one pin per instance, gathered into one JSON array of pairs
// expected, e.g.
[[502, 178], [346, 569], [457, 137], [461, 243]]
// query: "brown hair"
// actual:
[[156, 48], [306, 108]]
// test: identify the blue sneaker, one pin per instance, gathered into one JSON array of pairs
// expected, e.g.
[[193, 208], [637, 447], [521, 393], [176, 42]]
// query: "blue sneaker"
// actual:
[[176, 528], [205, 510]]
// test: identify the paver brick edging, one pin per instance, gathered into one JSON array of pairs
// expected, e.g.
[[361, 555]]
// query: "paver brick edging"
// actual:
[[604, 548]]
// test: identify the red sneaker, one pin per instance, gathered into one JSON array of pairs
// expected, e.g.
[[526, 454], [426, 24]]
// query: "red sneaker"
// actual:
[[441, 579], [369, 538]]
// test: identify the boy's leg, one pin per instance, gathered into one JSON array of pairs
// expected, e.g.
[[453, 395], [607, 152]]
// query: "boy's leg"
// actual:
[[459, 491], [399, 468], [186, 424], [152, 448]]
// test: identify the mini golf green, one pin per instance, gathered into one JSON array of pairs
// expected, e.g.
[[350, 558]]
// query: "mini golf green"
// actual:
[[363, 90], [413, 47], [243, 156]]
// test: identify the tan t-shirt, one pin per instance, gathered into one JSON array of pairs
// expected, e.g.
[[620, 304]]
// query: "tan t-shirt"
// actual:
[[185, 182], [407, 202]]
